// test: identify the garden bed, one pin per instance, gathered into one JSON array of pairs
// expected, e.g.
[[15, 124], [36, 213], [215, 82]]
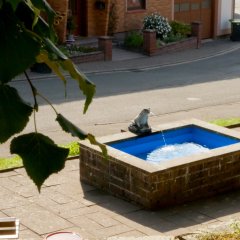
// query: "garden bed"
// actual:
[[190, 42], [186, 43], [83, 53], [88, 57]]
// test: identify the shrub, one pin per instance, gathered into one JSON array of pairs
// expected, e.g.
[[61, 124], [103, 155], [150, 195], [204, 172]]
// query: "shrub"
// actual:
[[158, 23], [179, 28], [173, 38], [133, 40], [179, 31]]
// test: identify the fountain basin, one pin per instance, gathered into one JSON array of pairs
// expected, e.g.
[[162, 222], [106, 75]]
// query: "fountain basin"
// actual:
[[128, 175]]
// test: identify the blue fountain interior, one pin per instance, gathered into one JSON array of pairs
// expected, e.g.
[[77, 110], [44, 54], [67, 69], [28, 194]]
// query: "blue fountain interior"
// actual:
[[174, 143]]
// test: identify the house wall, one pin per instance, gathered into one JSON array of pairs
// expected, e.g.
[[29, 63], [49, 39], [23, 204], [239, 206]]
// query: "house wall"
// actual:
[[226, 13], [130, 20], [127, 20], [61, 8], [97, 19]]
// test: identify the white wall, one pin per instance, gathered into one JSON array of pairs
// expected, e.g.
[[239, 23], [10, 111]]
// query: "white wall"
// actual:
[[226, 13], [237, 9]]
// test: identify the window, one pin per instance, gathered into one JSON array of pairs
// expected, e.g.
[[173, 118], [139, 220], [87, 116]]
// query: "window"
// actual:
[[176, 7], [184, 7], [136, 4], [195, 6], [206, 4]]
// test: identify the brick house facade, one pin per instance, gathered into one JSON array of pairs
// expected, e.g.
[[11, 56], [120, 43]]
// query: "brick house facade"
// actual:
[[132, 18], [92, 16]]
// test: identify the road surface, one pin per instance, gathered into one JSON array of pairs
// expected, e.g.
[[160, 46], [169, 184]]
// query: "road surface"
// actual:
[[205, 89]]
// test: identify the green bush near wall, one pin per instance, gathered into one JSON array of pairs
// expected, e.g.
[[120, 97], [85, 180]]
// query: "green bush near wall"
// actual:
[[133, 40]]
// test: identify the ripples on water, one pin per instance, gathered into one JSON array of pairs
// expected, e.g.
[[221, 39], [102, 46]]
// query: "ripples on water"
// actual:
[[169, 152]]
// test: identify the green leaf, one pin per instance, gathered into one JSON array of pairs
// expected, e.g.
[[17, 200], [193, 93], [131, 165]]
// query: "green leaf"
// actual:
[[62, 62], [29, 16], [14, 3], [93, 141], [85, 85], [43, 30], [54, 65], [41, 156], [44, 5], [54, 50], [69, 127], [14, 112], [18, 48]]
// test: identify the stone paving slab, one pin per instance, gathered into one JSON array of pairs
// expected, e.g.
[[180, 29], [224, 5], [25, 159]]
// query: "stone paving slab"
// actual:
[[111, 231], [130, 234], [38, 219], [27, 234], [68, 205]]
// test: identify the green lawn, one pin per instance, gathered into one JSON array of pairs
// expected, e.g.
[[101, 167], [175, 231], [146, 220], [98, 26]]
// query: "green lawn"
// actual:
[[232, 234], [15, 161], [226, 122], [11, 162]]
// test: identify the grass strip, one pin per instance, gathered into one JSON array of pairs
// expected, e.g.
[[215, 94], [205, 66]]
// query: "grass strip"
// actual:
[[12, 162], [220, 236], [226, 122], [232, 234], [16, 161]]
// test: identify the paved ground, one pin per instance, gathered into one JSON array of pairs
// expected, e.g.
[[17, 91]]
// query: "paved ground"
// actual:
[[67, 204]]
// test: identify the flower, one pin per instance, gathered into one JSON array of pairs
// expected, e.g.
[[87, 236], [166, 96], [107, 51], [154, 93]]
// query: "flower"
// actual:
[[158, 23]]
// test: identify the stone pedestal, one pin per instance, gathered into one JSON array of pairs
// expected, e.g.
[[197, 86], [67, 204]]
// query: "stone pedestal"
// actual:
[[197, 32], [149, 42], [105, 44]]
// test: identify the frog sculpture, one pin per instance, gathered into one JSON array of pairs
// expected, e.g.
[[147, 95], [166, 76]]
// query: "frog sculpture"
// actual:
[[139, 125]]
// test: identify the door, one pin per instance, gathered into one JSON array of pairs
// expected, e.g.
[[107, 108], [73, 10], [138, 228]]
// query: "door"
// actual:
[[78, 9], [188, 11], [82, 17], [207, 18]]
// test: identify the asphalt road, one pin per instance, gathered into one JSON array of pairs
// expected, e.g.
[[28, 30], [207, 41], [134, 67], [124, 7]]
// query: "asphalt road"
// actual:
[[204, 89]]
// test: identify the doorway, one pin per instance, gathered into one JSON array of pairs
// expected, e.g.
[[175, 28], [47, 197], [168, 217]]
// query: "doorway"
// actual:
[[188, 11], [78, 9]]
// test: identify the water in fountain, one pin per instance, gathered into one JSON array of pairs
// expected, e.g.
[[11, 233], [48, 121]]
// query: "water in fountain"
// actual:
[[164, 140], [172, 151]]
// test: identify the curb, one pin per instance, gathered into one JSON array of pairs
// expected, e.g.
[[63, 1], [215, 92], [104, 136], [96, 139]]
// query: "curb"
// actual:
[[158, 66], [140, 68]]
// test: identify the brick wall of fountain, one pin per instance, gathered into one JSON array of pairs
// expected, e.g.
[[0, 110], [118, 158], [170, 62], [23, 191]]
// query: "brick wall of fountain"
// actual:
[[153, 186]]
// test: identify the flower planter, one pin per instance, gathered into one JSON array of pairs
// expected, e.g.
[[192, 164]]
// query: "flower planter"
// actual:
[[88, 57], [40, 68], [187, 43]]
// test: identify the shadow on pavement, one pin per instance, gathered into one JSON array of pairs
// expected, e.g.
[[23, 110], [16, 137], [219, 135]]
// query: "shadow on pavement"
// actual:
[[191, 216], [215, 69]]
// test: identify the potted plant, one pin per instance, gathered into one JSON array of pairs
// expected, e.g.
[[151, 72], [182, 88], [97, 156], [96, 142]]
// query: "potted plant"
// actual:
[[71, 26], [40, 68]]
